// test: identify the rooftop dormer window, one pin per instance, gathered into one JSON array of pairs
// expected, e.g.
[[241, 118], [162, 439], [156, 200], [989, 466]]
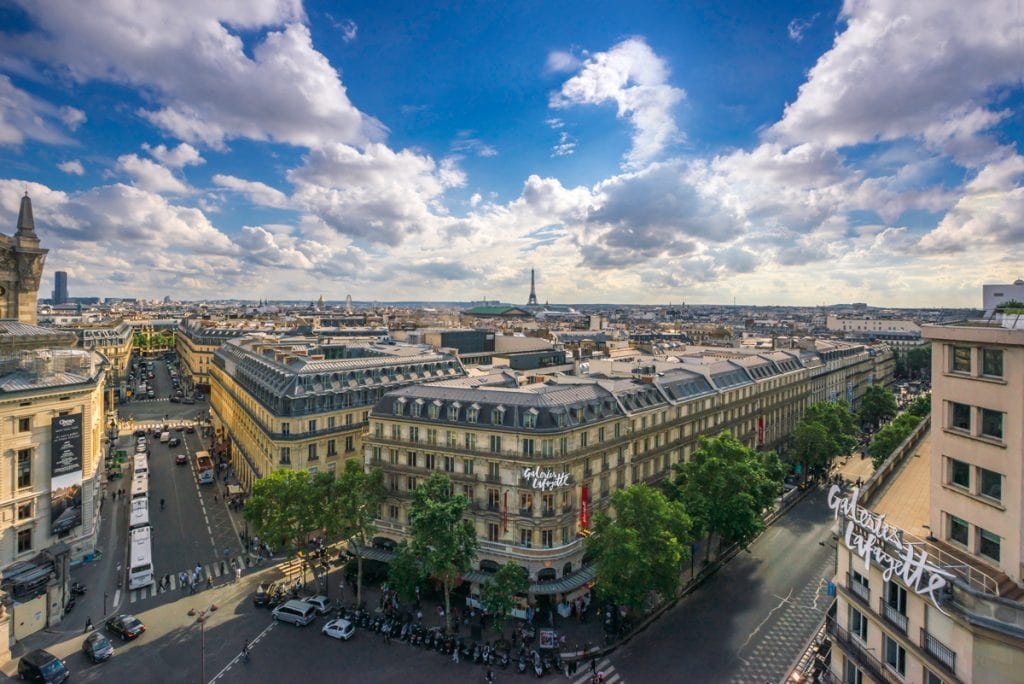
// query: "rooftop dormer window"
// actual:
[[530, 418]]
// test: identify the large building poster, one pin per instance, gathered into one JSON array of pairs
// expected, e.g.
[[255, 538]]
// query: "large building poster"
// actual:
[[66, 474]]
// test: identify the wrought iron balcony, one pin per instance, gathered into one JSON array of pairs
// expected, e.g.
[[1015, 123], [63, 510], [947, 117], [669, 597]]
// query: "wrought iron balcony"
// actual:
[[892, 615], [938, 650]]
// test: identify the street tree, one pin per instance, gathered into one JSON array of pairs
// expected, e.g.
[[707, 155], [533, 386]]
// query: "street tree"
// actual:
[[921, 406], [919, 362], [876, 405], [891, 436], [726, 487], [405, 573], [499, 595], [440, 536], [840, 425], [355, 509], [642, 548], [282, 508], [812, 445]]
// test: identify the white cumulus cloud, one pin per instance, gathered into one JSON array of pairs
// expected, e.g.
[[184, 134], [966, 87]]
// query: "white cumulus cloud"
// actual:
[[176, 157], [72, 166], [150, 176]]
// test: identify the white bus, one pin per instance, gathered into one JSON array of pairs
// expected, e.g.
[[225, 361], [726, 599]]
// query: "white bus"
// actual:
[[140, 487], [140, 565], [204, 467], [141, 466], [139, 517]]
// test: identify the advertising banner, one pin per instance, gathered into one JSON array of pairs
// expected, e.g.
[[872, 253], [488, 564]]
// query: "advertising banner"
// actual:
[[760, 431], [584, 510], [66, 474]]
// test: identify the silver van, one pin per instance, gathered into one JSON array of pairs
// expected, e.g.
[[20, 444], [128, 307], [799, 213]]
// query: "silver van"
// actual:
[[296, 612]]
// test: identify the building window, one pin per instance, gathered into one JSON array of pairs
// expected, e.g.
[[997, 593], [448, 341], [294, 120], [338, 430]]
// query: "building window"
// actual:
[[429, 461], [332, 469], [450, 439], [24, 424], [958, 530], [286, 455], [547, 448], [494, 470], [563, 446], [24, 468], [530, 419], [851, 675], [432, 436], [988, 544], [396, 432], [312, 426], [472, 414], [896, 597], [378, 430], [583, 439], [417, 409], [992, 363], [991, 484], [960, 473], [393, 456], [350, 444], [961, 360], [600, 435], [527, 447], [858, 624], [526, 538], [332, 449], [467, 466], [547, 538], [393, 513], [492, 532], [992, 423], [25, 540], [526, 502], [495, 444], [410, 484], [414, 434], [411, 459], [24, 511], [312, 452], [453, 412], [470, 441], [330, 423], [493, 499], [931, 678], [449, 464], [286, 428], [960, 416], [895, 656]]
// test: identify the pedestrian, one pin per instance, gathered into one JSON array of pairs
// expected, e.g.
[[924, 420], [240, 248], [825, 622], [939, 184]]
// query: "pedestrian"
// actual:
[[593, 665], [227, 552], [88, 624], [192, 587], [238, 574], [209, 581]]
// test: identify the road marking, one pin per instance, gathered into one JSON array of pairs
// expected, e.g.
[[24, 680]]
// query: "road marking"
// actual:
[[761, 624], [239, 656], [117, 597]]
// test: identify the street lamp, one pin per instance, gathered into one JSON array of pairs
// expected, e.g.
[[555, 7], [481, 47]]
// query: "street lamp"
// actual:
[[104, 604], [201, 620]]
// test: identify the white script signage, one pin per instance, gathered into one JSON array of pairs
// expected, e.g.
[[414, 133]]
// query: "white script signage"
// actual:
[[546, 480], [867, 534]]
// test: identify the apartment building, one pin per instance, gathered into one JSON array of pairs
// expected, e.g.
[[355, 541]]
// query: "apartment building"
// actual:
[[303, 402], [197, 340], [112, 338], [953, 509], [537, 461]]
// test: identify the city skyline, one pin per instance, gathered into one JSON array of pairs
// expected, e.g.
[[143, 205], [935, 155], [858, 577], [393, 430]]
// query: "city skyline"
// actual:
[[794, 155]]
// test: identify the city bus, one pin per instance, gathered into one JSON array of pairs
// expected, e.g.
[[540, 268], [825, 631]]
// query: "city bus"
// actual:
[[204, 467], [140, 565], [139, 517], [140, 487], [141, 466]]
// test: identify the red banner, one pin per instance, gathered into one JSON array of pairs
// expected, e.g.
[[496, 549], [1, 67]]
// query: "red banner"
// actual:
[[504, 512], [760, 431], [584, 510]]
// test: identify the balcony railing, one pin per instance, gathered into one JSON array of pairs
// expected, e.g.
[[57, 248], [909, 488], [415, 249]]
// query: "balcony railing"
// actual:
[[938, 650], [871, 665], [858, 589], [893, 615]]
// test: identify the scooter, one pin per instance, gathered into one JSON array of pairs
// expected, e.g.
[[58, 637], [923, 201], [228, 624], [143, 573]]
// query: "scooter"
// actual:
[[538, 665], [77, 589], [521, 664]]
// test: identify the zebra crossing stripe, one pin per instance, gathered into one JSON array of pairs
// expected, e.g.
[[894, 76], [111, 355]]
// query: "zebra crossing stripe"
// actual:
[[605, 666]]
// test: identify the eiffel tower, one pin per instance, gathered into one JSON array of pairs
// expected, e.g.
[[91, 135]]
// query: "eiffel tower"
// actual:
[[533, 292]]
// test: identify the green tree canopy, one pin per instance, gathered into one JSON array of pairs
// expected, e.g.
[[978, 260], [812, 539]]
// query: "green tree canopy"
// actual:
[[891, 436], [283, 508], [812, 445], [405, 572], [921, 406], [440, 536], [499, 595], [726, 487], [642, 548], [354, 511], [876, 405], [919, 361]]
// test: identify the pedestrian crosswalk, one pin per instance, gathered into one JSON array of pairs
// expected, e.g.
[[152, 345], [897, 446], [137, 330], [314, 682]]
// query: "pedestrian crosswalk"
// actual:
[[171, 582], [585, 675]]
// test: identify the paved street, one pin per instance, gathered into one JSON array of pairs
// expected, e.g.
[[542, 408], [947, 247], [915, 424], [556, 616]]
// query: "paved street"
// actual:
[[751, 620]]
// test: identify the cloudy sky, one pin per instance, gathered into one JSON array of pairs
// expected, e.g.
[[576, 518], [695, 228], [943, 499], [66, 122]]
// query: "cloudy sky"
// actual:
[[641, 152]]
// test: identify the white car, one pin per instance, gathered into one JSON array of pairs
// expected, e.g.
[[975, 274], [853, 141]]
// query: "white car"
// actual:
[[339, 629], [321, 602]]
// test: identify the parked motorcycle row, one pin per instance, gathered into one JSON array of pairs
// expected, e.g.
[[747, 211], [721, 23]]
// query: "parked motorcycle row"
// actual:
[[404, 628]]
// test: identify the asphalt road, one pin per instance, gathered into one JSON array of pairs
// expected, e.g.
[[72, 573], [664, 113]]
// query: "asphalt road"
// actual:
[[751, 620]]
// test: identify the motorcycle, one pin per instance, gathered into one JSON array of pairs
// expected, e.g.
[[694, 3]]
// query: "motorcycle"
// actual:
[[521, 664], [77, 589], [504, 661], [538, 665]]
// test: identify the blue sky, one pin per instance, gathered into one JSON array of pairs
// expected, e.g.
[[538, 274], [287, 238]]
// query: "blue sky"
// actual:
[[790, 153]]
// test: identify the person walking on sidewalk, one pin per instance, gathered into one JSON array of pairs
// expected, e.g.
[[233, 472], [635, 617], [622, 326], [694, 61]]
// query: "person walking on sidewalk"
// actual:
[[238, 574], [88, 624]]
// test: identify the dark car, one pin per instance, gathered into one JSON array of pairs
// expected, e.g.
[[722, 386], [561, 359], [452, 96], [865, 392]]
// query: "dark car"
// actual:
[[175, 400], [42, 666], [191, 429], [97, 647], [269, 594], [174, 441], [188, 400], [200, 396], [140, 432], [127, 627], [181, 459]]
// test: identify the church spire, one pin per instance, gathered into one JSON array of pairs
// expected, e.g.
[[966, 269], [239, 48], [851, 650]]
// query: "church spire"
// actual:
[[26, 224]]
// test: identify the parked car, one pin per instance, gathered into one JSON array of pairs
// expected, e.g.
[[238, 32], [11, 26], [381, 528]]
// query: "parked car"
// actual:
[[42, 666], [321, 602], [127, 627], [339, 629], [175, 400], [188, 400], [97, 647], [268, 594], [140, 432], [298, 613], [181, 459], [200, 396]]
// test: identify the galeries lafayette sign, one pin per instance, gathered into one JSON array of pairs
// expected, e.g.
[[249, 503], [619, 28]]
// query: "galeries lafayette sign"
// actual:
[[545, 480], [868, 535]]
